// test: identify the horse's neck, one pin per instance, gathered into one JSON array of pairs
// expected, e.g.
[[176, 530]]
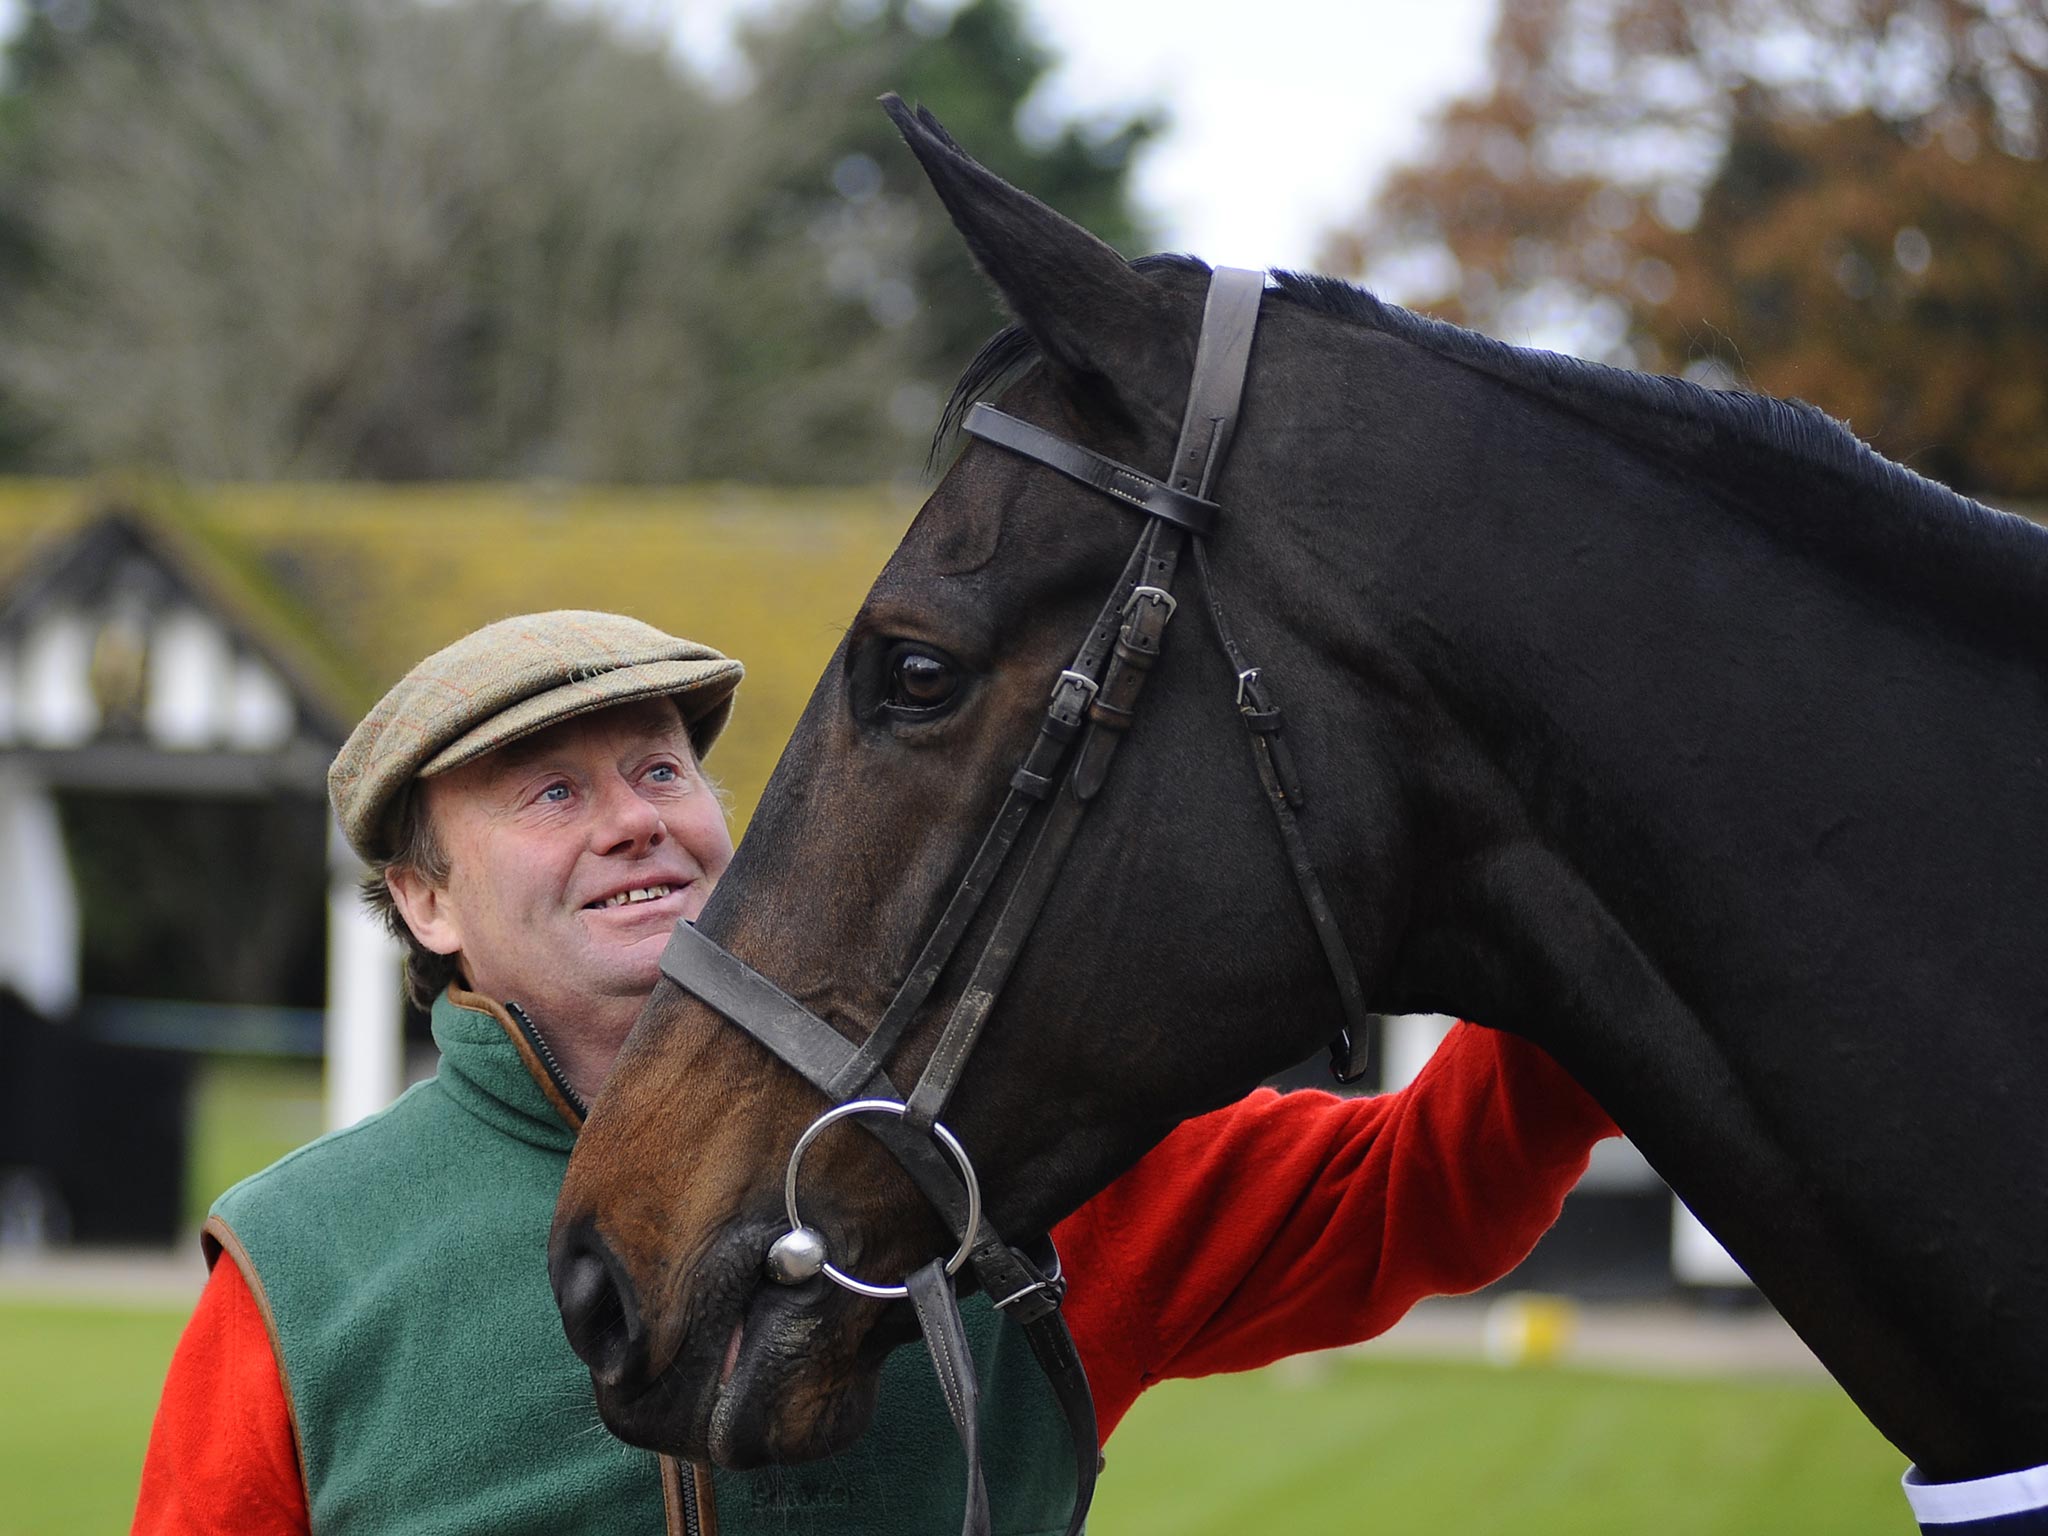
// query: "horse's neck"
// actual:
[[1726, 735], [1741, 841]]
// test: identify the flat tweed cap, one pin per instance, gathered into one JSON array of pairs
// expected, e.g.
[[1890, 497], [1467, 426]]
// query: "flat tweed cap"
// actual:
[[505, 681]]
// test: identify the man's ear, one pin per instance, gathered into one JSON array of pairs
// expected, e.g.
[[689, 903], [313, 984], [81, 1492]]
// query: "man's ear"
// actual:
[[428, 909]]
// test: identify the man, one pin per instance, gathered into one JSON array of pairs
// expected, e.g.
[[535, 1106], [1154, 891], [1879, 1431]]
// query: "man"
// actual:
[[382, 1352]]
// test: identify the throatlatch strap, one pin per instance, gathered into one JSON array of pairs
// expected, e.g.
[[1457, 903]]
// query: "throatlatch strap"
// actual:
[[1351, 1051]]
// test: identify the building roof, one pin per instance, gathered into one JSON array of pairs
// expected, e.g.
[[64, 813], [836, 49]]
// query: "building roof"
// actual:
[[342, 588]]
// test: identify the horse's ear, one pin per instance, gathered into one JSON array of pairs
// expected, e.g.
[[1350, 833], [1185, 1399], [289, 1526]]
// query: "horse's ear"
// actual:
[[1091, 314]]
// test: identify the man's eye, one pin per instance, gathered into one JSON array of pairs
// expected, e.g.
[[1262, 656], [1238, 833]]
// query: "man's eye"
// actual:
[[663, 773], [920, 680], [555, 792]]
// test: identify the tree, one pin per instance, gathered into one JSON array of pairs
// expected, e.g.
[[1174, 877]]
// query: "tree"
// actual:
[[847, 311], [287, 237], [483, 238], [1834, 199]]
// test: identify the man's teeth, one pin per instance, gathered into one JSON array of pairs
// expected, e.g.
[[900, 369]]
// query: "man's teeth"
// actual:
[[644, 893]]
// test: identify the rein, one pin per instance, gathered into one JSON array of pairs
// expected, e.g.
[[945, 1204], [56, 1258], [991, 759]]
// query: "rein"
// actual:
[[1092, 708]]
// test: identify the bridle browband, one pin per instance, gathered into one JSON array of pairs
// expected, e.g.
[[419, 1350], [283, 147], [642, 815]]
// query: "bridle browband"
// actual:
[[1091, 709]]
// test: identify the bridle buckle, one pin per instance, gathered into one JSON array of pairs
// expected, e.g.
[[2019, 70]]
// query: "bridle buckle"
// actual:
[[1041, 1296], [1068, 709], [1146, 613], [1150, 595]]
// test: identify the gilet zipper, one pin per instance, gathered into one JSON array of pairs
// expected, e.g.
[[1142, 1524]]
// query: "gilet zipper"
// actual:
[[555, 1073], [689, 1481]]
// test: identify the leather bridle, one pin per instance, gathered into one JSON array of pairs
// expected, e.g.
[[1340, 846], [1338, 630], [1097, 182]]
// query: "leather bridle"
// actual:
[[1092, 707]]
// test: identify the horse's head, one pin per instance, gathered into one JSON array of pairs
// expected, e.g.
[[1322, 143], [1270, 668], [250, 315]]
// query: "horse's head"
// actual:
[[1174, 920]]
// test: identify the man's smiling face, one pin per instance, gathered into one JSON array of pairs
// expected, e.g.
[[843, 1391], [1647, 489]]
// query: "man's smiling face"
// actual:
[[571, 854]]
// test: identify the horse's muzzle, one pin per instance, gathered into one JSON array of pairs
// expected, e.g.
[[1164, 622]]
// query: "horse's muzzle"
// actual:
[[600, 1313]]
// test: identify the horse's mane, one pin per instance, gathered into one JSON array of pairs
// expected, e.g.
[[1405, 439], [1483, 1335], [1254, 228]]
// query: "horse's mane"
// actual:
[[1814, 477]]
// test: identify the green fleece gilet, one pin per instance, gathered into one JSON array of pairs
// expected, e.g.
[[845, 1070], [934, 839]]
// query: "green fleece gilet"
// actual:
[[402, 1266]]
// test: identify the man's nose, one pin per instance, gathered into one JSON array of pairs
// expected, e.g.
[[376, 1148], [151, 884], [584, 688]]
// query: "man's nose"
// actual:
[[626, 820]]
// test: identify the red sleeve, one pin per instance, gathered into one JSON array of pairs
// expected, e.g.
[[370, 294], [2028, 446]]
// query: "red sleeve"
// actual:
[[1301, 1221], [222, 1458]]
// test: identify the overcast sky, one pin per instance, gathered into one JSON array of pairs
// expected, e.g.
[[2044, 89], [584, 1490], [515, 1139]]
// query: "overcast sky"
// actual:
[[1284, 113]]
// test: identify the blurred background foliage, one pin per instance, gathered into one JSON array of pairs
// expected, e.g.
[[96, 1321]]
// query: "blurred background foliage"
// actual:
[[487, 239], [505, 240], [1841, 200]]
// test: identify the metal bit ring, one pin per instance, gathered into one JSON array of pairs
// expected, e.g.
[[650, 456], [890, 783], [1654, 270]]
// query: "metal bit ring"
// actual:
[[946, 1139]]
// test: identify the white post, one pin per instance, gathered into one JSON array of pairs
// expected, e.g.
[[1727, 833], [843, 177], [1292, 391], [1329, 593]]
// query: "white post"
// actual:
[[38, 903], [1697, 1257], [365, 1023]]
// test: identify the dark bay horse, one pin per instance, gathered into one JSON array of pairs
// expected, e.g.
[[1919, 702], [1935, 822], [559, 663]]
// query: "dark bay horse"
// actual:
[[1673, 730]]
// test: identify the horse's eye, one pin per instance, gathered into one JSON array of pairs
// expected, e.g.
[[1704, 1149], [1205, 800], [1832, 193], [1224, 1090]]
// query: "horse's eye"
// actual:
[[920, 680]]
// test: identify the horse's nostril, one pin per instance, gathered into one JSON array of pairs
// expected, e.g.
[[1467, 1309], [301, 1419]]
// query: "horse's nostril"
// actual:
[[597, 1313]]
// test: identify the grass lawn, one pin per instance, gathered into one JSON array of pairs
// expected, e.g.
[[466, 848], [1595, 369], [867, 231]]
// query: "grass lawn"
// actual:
[[1399, 1448], [81, 1386], [79, 1382], [1336, 1445], [1355, 1445]]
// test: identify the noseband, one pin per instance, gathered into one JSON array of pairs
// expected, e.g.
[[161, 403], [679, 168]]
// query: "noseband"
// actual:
[[1091, 709]]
